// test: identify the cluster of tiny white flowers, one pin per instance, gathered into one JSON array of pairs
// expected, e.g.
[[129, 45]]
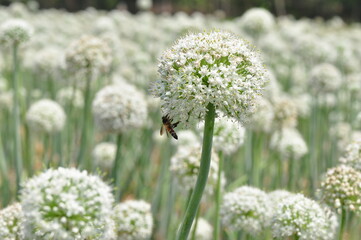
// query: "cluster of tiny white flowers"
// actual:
[[325, 78], [66, 204], [352, 156], [302, 217], [211, 67], [46, 116], [341, 189], [144, 4], [70, 96], [104, 155], [247, 209], [278, 195], [49, 61], [133, 220], [15, 31], [119, 107], [204, 230], [289, 143], [88, 55], [341, 133], [262, 118], [256, 21], [228, 135], [185, 167], [285, 111], [11, 220]]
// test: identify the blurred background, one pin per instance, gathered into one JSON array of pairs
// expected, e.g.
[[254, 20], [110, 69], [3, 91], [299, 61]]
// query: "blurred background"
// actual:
[[350, 10]]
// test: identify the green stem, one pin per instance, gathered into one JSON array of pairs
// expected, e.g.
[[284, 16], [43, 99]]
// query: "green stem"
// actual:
[[342, 224], [217, 228], [16, 119], [84, 133], [195, 225], [116, 168], [202, 176]]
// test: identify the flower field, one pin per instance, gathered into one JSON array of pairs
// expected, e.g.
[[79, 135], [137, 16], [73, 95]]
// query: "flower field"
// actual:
[[260, 120]]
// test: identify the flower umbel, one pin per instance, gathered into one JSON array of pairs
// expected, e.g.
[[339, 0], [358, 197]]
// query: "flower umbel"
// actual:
[[66, 204], [211, 67], [11, 219], [133, 220]]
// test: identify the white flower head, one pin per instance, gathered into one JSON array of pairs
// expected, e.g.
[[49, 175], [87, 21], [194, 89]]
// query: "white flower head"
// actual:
[[49, 62], [278, 195], [88, 55], [11, 220], [325, 78], [104, 155], [185, 167], [70, 96], [289, 143], [302, 217], [119, 107], [66, 204], [209, 68], [46, 116], [352, 156], [257, 21], [15, 31], [341, 189], [247, 209], [204, 230], [228, 135], [262, 118], [285, 111], [133, 220]]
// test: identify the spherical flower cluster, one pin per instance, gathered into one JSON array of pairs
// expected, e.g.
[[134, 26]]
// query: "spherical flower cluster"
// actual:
[[15, 31], [144, 4], [285, 111], [70, 96], [247, 209], [204, 230], [341, 132], [11, 219], [185, 167], [298, 216], [209, 68], [104, 155], [66, 204], [341, 189], [228, 135], [133, 220], [277, 196], [262, 118], [49, 62], [256, 21], [289, 143], [119, 107], [88, 55], [325, 78], [46, 116], [352, 156]]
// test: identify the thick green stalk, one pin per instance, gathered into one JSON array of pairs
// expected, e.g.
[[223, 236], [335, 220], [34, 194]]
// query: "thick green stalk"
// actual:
[[342, 224], [202, 175], [84, 133], [116, 168], [16, 118], [217, 225]]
